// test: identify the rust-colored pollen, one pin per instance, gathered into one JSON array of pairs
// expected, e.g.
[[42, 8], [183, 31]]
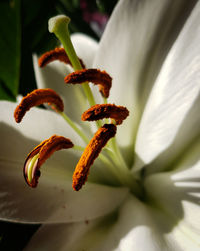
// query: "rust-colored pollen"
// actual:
[[38, 97], [96, 112], [56, 54], [45, 149], [90, 153], [95, 76]]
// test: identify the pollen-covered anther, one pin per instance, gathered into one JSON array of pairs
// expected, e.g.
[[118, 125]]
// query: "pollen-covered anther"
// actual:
[[56, 54], [97, 77], [90, 153], [40, 154], [38, 97], [96, 112]]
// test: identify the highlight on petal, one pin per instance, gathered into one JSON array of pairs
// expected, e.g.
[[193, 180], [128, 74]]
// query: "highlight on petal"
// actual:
[[56, 54], [97, 77], [35, 98], [96, 112], [90, 153], [40, 154], [174, 97]]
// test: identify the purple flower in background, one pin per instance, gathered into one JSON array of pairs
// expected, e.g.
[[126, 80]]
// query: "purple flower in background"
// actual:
[[96, 19]]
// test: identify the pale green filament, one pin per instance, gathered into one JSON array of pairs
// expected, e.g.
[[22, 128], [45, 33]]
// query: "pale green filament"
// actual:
[[105, 100], [30, 167], [124, 176], [73, 126]]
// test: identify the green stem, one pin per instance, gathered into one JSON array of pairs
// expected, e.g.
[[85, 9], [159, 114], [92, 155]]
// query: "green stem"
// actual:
[[105, 100], [78, 148]]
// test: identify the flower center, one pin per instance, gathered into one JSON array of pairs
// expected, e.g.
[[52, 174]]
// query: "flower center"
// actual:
[[111, 156]]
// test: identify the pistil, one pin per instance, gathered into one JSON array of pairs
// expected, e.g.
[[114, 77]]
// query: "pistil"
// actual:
[[59, 26]]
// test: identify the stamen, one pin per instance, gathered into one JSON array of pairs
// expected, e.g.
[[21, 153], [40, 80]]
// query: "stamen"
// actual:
[[90, 153], [56, 54], [38, 97], [95, 76], [96, 112], [40, 154]]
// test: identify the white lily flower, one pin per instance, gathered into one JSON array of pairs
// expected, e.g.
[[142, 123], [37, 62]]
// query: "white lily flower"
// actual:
[[152, 51]]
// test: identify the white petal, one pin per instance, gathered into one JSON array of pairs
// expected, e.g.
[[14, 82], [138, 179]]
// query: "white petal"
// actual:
[[174, 101], [128, 231], [178, 192], [135, 227], [132, 49], [85, 48]]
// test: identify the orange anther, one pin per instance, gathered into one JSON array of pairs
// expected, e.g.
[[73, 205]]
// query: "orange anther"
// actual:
[[96, 112], [44, 150], [56, 54], [90, 153], [95, 76], [35, 98]]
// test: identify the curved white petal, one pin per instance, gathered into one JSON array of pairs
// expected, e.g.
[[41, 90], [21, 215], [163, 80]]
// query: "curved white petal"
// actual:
[[174, 101], [85, 48], [135, 227], [127, 230], [132, 50]]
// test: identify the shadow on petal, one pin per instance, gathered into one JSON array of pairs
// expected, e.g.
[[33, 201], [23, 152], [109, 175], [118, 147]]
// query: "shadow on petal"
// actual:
[[184, 142]]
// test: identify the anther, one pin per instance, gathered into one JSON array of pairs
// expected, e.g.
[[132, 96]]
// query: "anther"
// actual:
[[40, 154], [97, 77], [56, 54], [38, 97], [90, 153], [96, 112]]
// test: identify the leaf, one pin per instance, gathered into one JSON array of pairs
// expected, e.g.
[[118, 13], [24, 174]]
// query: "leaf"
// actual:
[[10, 47], [5, 93]]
